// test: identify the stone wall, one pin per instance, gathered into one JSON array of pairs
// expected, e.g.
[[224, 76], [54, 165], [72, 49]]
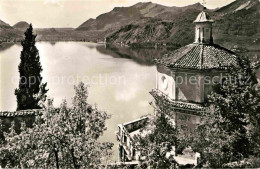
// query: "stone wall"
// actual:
[[135, 125]]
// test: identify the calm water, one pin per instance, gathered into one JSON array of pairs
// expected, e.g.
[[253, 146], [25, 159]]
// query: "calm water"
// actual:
[[118, 85], [119, 78]]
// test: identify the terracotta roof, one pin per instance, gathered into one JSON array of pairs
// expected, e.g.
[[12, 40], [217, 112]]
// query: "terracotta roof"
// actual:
[[203, 17], [199, 56]]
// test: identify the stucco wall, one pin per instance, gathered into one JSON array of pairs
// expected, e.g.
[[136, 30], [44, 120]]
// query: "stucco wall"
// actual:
[[167, 86], [203, 31], [190, 87]]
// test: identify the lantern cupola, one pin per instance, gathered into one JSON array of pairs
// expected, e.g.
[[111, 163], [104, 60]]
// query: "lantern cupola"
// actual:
[[203, 28]]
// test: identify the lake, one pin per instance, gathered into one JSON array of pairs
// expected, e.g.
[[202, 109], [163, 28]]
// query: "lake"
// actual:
[[119, 79], [119, 85]]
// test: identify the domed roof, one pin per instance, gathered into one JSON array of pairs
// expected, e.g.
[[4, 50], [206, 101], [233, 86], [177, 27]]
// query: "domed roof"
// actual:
[[203, 17]]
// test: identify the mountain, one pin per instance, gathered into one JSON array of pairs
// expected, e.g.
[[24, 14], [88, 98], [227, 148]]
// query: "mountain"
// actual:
[[236, 24], [137, 14], [150, 24], [8, 33], [161, 25], [118, 17], [237, 6], [239, 24], [21, 26], [4, 25]]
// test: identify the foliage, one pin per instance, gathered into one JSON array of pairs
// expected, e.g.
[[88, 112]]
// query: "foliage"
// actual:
[[64, 137], [230, 130], [157, 141], [31, 90], [251, 162]]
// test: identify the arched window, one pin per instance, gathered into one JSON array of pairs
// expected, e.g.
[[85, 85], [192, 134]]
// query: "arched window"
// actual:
[[198, 35], [203, 35]]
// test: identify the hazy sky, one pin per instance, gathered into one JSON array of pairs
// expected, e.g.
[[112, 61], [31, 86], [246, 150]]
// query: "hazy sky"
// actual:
[[71, 13]]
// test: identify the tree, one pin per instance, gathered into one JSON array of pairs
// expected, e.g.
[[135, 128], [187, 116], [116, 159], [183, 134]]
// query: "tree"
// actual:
[[159, 139], [64, 137], [230, 129], [12, 155], [31, 89]]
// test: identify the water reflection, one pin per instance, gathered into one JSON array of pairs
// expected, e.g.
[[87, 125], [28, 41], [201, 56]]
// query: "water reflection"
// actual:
[[53, 43], [5, 46], [141, 56]]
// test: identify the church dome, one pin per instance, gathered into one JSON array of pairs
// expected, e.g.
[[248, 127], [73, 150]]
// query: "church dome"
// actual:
[[203, 17]]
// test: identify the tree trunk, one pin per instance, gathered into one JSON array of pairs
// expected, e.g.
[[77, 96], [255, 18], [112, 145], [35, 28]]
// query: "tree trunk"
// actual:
[[56, 156], [73, 158]]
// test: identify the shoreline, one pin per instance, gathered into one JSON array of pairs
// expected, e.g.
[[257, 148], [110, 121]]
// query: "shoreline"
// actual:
[[151, 45]]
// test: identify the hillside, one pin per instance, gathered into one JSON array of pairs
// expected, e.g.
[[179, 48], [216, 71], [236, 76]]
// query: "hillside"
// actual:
[[119, 17], [21, 26], [237, 6], [136, 14], [8, 33], [159, 30], [239, 24], [4, 25], [57, 34], [235, 24], [144, 24]]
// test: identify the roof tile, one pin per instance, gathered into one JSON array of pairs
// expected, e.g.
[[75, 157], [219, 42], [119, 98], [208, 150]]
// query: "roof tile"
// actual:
[[199, 56]]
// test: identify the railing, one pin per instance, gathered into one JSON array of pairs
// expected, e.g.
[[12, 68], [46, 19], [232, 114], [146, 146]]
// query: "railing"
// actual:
[[118, 136]]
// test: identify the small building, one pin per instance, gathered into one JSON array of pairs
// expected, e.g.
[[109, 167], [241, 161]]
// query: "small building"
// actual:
[[184, 79]]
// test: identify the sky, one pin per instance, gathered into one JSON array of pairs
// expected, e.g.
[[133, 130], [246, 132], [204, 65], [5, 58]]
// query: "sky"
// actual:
[[72, 13]]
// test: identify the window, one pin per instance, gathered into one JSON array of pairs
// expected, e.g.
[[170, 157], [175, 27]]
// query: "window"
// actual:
[[133, 152], [164, 83], [125, 138]]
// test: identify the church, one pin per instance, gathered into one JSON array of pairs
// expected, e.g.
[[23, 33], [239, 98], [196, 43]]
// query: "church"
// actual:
[[184, 79]]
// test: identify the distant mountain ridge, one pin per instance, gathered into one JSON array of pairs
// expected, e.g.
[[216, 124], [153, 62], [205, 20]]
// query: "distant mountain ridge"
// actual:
[[22, 25], [7, 32], [237, 6], [235, 24], [121, 16], [4, 25]]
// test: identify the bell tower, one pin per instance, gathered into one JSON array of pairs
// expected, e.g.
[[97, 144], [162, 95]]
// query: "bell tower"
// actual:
[[203, 28]]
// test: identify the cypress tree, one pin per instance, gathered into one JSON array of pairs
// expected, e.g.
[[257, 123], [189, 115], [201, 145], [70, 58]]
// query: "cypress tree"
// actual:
[[31, 89]]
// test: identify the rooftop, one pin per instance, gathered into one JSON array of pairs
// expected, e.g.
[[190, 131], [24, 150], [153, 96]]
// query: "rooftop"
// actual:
[[197, 108], [199, 56], [21, 113]]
